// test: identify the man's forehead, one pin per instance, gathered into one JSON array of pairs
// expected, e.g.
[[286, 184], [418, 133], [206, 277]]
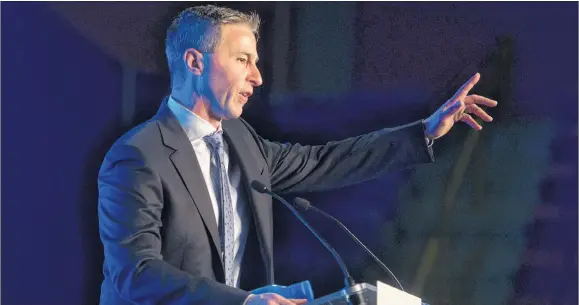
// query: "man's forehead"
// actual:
[[237, 29], [240, 38]]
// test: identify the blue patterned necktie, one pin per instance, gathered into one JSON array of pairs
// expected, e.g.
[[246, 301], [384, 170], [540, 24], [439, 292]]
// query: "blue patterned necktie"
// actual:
[[215, 142]]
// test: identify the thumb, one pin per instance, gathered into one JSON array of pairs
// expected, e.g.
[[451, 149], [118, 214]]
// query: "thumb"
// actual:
[[299, 301]]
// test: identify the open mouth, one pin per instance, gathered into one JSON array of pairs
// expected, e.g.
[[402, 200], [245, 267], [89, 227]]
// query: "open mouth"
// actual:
[[245, 96]]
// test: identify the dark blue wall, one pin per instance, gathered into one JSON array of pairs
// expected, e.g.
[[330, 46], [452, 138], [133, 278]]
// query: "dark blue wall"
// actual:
[[61, 102]]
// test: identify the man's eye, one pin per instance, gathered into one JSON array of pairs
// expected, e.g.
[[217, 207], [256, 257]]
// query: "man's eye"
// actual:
[[242, 60]]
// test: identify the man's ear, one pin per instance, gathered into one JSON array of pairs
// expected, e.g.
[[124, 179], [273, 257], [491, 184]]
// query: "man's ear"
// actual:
[[194, 61]]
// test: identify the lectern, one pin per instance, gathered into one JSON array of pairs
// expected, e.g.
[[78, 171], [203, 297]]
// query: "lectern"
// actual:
[[381, 294]]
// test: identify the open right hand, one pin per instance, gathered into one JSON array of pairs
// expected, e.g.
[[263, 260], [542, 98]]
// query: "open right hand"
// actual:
[[272, 299]]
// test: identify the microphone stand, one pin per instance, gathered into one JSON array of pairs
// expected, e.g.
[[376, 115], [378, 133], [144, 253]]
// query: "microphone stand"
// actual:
[[356, 298]]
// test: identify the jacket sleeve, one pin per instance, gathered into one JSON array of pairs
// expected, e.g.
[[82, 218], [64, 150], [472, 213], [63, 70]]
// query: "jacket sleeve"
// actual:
[[304, 168], [129, 209]]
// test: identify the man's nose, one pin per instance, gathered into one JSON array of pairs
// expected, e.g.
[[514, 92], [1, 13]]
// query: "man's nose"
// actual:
[[255, 77]]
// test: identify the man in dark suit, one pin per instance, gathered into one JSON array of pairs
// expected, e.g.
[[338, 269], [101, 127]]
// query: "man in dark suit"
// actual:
[[178, 220]]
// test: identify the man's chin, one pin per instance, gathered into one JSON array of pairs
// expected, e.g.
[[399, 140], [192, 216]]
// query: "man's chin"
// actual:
[[233, 114]]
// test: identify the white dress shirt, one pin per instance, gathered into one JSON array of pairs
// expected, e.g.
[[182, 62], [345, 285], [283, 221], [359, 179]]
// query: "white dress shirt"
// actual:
[[196, 128]]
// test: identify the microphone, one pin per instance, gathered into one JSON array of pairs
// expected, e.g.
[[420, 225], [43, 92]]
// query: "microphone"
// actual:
[[305, 205], [261, 188]]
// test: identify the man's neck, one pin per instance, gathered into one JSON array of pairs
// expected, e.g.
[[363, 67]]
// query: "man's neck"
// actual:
[[199, 106]]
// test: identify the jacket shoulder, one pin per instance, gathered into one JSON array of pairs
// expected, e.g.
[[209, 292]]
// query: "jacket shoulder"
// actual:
[[142, 139]]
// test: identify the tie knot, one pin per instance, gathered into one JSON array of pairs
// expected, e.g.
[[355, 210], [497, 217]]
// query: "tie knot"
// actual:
[[215, 139]]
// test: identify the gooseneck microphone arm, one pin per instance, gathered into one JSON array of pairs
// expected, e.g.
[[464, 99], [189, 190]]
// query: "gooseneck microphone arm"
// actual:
[[305, 205], [348, 279]]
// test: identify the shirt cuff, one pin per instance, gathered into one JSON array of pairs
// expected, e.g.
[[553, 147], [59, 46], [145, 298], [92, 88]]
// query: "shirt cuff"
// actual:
[[247, 299], [429, 142]]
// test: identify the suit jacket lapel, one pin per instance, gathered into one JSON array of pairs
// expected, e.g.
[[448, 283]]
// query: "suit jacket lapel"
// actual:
[[252, 170], [187, 165]]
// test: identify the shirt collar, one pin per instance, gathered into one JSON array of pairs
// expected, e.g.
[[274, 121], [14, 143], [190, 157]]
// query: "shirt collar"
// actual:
[[195, 127]]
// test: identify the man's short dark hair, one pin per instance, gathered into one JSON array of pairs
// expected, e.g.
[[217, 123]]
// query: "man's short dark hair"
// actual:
[[199, 27]]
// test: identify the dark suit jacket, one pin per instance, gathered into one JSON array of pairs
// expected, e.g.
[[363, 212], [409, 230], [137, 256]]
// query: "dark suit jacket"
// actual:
[[156, 221]]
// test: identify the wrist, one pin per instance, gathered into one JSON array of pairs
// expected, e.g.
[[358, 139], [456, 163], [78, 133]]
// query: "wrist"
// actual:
[[427, 135]]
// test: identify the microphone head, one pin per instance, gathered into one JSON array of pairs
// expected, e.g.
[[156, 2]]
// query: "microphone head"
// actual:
[[260, 187], [302, 203]]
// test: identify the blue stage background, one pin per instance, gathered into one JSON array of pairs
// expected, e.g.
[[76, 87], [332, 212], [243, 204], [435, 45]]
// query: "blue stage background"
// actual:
[[76, 76]]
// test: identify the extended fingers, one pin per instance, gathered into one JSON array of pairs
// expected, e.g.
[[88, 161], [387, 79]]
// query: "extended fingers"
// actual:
[[464, 89], [470, 121], [474, 109], [481, 100]]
